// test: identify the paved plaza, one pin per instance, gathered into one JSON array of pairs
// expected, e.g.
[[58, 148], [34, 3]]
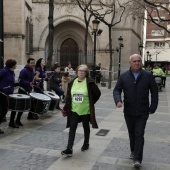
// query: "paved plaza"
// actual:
[[38, 144]]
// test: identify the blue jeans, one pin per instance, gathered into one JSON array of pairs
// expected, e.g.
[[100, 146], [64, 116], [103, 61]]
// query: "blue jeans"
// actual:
[[58, 90], [136, 128]]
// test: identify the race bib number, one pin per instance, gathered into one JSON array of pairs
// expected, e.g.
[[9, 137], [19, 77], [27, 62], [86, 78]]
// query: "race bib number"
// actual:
[[78, 98]]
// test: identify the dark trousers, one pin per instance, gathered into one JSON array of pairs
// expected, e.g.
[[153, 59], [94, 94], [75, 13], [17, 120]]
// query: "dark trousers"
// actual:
[[163, 81], [3, 106], [12, 116], [59, 91], [136, 128], [75, 118]]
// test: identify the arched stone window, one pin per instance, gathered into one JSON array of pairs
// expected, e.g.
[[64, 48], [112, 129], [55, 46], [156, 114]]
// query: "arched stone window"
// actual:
[[29, 37]]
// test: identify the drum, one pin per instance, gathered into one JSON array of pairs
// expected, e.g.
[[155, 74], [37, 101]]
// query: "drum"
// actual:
[[19, 102], [54, 99], [39, 103]]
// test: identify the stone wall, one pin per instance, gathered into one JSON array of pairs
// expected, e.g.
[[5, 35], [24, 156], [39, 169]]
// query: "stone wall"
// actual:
[[68, 22], [15, 15]]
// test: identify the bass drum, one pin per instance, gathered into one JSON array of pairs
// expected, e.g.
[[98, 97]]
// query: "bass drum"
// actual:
[[55, 99], [39, 103], [19, 102]]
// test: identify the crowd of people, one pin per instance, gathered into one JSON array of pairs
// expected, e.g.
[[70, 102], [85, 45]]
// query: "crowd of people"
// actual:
[[31, 78], [80, 92]]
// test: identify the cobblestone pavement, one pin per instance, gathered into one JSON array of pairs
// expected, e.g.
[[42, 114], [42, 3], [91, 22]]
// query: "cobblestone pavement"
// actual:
[[37, 145]]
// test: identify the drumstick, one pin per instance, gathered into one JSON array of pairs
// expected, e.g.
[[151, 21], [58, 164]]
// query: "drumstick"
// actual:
[[7, 87], [33, 80]]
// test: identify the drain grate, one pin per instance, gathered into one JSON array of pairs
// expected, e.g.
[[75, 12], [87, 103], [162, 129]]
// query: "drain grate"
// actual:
[[102, 132]]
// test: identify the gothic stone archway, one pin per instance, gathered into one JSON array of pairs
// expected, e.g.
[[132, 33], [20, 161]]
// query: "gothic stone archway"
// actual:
[[69, 52]]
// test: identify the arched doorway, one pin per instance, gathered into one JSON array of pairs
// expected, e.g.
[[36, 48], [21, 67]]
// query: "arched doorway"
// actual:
[[69, 51]]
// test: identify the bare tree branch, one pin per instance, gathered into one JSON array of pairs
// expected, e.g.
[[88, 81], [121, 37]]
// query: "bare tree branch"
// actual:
[[114, 11], [154, 8], [87, 17]]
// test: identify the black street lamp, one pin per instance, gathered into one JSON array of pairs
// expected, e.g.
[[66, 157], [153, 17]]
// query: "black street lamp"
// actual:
[[96, 32], [150, 58], [147, 54], [157, 56], [140, 48], [120, 39], [1, 35]]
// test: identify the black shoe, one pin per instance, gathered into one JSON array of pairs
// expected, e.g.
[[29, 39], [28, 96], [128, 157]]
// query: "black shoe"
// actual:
[[13, 125], [17, 122], [33, 117], [67, 152], [85, 147], [4, 120], [1, 131]]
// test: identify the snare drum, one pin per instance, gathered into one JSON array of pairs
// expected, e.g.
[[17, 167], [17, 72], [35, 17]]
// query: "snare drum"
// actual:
[[39, 103], [19, 102], [54, 99]]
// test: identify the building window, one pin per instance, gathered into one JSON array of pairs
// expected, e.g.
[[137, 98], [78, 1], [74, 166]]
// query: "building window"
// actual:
[[29, 37], [158, 20], [159, 44], [159, 7], [155, 33], [149, 45]]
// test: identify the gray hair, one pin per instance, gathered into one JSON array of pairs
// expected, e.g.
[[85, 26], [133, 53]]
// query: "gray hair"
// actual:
[[135, 55]]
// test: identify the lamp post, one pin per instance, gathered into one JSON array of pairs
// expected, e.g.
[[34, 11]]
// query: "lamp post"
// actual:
[[157, 56], [95, 29], [120, 39], [150, 58], [147, 54], [140, 48], [1, 35]]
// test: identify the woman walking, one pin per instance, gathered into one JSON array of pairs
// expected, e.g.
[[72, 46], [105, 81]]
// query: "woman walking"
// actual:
[[82, 94]]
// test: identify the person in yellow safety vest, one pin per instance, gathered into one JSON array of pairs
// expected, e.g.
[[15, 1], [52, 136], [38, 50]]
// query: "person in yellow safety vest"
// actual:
[[157, 71], [163, 76]]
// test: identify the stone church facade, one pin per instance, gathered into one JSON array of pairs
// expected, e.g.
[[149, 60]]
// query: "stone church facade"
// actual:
[[26, 34]]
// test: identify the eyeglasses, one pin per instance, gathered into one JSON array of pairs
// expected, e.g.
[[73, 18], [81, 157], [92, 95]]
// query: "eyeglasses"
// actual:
[[137, 61], [82, 71]]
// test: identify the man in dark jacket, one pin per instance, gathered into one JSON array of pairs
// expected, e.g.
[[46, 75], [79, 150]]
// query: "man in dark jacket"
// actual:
[[26, 79], [136, 84]]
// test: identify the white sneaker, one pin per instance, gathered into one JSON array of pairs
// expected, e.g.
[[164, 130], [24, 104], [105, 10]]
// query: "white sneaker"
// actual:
[[137, 164], [131, 156]]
